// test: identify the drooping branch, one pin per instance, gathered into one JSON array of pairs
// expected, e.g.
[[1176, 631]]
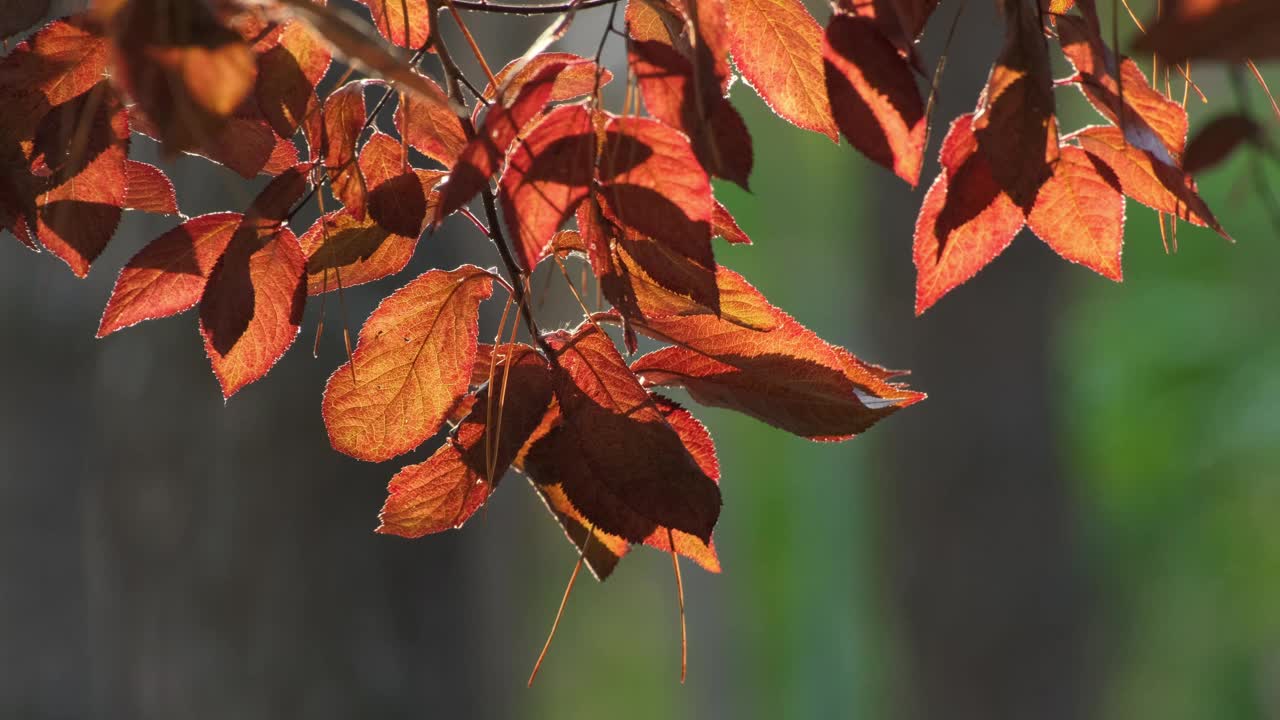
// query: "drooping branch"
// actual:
[[505, 9]]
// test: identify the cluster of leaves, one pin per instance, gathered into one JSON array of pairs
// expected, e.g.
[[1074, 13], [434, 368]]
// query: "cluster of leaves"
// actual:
[[559, 176]]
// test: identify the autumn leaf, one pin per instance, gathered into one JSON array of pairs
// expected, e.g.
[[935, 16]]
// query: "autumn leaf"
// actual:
[[578, 77], [873, 95], [288, 73], [1080, 213], [412, 362], [430, 128], [651, 182], [343, 119], [783, 374], [1015, 124], [382, 243], [614, 455], [148, 189], [548, 174], [406, 23], [455, 481], [82, 198], [778, 47], [482, 156], [251, 309], [966, 219], [1146, 178], [604, 550], [1150, 120], [168, 275], [719, 136]]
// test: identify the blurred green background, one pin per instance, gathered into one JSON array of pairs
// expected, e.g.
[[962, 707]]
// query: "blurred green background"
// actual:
[[1082, 521]]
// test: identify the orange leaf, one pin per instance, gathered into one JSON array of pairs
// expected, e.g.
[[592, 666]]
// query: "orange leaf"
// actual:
[[1080, 214], [1150, 120], [343, 115], [873, 95], [605, 550], [288, 73], [965, 221], [615, 456], [411, 364], [548, 174], [483, 155], [1147, 179], [577, 78], [148, 189], [1015, 123], [431, 128], [384, 241], [778, 47], [406, 23], [252, 306], [784, 375], [719, 135], [168, 275], [652, 183], [448, 488]]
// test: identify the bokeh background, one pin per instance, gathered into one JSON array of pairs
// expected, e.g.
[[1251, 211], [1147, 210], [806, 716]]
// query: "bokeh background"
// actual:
[[1081, 522]]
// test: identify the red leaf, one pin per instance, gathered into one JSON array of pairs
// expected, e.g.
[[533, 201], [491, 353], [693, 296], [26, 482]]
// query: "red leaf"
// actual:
[[778, 47], [406, 23], [723, 225], [1015, 123], [604, 551], [246, 144], [272, 206], [482, 156], [1234, 30], [168, 275], [873, 95], [81, 203], [577, 78], [1151, 121], [448, 488], [63, 60], [411, 364], [784, 375], [965, 222], [652, 183], [614, 454], [288, 74], [383, 242], [252, 306], [549, 173], [1147, 179], [430, 128], [1080, 214], [148, 189], [344, 113], [719, 135]]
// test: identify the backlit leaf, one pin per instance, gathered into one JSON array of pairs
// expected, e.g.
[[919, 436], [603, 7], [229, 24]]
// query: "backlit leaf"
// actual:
[[148, 189], [614, 454], [168, 275], [412, 362], [1080, 214], [406, 23], [252, 306], [778, 47], [873, 95]]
